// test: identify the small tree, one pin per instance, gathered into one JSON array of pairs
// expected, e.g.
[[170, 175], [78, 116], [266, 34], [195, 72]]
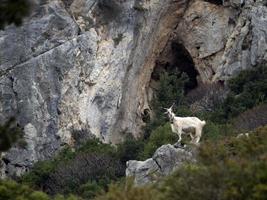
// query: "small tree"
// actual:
[[13, 11], [9, 134]]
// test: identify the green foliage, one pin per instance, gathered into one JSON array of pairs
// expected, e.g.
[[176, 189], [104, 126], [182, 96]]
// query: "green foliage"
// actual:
[[248, 89], [9, 134], [10, 190], [160, 136], [127, 191], [214, 131], [95, 145], [13, 11], [230, 168], [233, 168], [171, 90], [90, 189], [251, 119], [130, 149], [66, 164], [85, 171]]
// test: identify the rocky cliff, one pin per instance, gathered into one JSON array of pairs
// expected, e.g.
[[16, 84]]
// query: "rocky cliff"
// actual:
[[87, 64]]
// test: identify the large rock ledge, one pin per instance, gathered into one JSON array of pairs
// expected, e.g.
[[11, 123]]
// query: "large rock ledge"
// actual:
[[165, 160]]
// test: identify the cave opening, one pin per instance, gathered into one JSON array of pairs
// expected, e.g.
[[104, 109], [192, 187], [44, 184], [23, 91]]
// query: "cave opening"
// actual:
[[216, 2], [168, 84], [176, 60]]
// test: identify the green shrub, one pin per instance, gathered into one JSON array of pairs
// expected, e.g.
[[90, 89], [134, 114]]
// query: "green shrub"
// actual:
[[14, 12], [251, 119], [10, 190], [170, 90], [71, 170], [160, 136], [9, 134], [230, 168], [91, 189], [214, 131], [128, 191], [130, 149], [248, 89], [233, 168]]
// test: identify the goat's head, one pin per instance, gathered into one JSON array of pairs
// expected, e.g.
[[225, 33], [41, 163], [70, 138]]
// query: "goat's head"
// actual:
[[169, 111]]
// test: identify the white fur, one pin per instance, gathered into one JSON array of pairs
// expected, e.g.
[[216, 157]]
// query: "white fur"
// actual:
[[187, 125]]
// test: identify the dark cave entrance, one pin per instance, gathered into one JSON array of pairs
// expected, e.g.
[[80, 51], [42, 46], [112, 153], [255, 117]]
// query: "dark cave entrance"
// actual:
[[216, 2], [175, 59]]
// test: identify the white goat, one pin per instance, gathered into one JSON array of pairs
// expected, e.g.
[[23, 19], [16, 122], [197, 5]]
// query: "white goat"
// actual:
[[180, 125]]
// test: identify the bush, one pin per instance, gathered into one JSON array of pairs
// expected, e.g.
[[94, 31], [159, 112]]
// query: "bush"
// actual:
[[160, 136], [91, 189], [248, 89], [214, 131], [207, 95], [71, 171], [251, 119], [130, 150], [171, 90], [13, 12], [94, 167], [9, 134], [127, 191], [234, 168], [10, 190], [231, 168]]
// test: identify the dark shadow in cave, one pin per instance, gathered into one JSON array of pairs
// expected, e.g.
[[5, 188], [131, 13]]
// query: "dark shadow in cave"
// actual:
[[184, 62], [216, 2], [176, 60]]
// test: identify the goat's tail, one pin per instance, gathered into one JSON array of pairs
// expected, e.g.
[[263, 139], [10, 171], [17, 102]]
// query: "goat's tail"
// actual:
[[203, 123]]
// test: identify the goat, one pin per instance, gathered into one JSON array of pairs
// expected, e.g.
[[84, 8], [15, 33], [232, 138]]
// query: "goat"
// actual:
[[180, 125]]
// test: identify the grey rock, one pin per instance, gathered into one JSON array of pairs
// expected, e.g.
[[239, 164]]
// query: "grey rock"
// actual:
[[143, 171], [165, 160], [247, 45]]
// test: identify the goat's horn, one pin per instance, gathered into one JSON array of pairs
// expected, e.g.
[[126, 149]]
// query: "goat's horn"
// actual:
[[172, 105]]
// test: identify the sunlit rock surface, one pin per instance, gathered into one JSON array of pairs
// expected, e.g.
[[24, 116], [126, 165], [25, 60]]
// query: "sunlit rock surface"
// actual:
[[165, 160]]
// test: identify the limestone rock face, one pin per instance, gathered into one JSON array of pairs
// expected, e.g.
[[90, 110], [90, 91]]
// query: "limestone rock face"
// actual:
[[247, 45], [87, 64], [166, 159]]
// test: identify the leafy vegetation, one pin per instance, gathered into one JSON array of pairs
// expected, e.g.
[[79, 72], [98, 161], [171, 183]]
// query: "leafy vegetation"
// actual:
[[13, 11], [92, 167], [127, 191], [86, 171], [171, 90], [9, 135], [231, 168], [160, 136], [10, 190], [247, 90]]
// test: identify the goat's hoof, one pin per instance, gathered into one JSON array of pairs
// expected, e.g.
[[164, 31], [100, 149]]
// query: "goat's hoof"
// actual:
[[178, 145]]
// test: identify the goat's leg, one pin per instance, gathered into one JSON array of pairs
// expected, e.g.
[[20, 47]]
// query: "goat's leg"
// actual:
[[192, 137], [198, 135], [179, 133]]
